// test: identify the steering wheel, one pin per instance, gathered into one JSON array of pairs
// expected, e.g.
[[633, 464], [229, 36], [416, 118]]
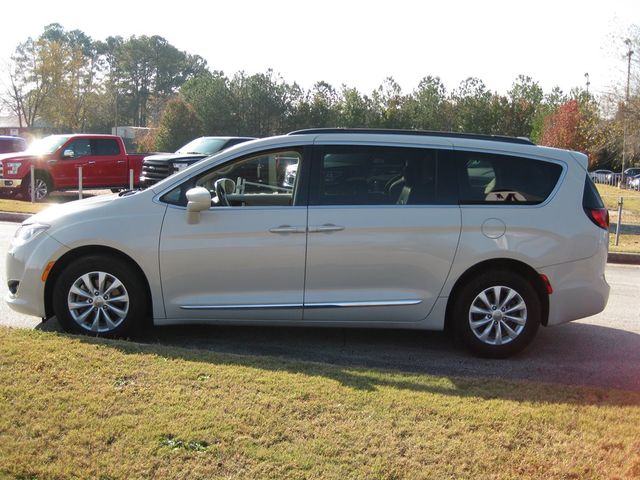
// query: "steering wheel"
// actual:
[[220, 187]]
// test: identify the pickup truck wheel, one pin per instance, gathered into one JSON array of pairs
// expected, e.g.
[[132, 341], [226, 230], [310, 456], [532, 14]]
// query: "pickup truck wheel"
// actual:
[[497, 314], [42, 188], [100, 296]]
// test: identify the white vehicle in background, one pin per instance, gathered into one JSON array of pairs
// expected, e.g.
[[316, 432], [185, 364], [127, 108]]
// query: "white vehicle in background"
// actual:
[[489, 236]]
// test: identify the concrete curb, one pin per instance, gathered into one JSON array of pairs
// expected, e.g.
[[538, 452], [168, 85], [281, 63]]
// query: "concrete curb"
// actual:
[[14, 217], [626, 258], [614, 257]]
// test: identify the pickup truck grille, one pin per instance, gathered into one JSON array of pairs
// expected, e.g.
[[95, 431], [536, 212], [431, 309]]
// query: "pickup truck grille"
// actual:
[[154, 171]]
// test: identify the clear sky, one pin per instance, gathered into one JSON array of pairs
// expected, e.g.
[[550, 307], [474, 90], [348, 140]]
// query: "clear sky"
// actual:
[[359, 43]]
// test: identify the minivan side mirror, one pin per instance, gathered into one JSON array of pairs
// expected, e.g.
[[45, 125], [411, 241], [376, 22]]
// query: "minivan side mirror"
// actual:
[[199, 199], [68, 153]]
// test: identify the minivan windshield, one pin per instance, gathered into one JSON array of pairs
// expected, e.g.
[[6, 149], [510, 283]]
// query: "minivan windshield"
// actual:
[[47, 144], [203, 145]]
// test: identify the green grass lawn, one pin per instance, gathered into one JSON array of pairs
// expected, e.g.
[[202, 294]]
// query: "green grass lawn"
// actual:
[[19, 206], [629, 240], [80, 408], [610, 195]]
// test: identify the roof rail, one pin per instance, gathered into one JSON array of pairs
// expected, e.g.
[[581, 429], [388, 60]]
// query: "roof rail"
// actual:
[[425, 133]]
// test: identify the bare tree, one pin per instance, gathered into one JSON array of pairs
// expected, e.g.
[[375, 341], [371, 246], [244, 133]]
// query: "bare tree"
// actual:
[[28, 83]]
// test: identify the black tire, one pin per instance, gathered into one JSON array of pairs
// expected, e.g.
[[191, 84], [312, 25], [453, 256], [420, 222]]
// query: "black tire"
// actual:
[[494, 321], [107, 307], [43, 187]]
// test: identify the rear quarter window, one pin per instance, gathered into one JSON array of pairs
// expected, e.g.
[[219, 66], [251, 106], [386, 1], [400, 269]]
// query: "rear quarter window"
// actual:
[[591, 199], [504, 179]]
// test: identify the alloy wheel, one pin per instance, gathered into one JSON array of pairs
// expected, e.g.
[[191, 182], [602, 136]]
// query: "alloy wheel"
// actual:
[[498, 315], [98, 302], [41, 189]]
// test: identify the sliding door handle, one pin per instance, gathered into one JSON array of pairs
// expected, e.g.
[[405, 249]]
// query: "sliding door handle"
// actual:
[[288, 229], [326, 228]]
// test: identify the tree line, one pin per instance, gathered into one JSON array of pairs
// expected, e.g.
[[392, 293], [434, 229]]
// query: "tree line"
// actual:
[[69, 82]]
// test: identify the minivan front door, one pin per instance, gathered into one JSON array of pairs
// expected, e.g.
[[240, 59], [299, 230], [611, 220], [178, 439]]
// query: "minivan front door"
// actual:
[[383, 232], [243, 261]]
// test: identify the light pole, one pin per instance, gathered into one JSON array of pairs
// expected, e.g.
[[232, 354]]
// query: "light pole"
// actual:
[[624, 111], [586, 75], [115, 120]]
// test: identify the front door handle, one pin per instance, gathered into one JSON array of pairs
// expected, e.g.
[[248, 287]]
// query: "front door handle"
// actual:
[[288, 229], [326, 228], [52, 162]]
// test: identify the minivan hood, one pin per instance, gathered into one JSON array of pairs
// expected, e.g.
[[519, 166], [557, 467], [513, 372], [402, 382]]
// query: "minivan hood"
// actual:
[[56, 213], [169, 157]]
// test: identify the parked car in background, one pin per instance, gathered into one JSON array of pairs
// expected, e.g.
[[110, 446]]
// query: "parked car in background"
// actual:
[[489, 236], [160, 166], [9, 144], [629, 174], [634, 182], [104, 160], [602, 176]]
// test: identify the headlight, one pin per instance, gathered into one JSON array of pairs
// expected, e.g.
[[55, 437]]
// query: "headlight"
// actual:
[[26, 233], [179, 166], [13, 167]]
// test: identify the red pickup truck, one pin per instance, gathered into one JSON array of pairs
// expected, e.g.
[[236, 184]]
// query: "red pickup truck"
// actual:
[[56, 158]]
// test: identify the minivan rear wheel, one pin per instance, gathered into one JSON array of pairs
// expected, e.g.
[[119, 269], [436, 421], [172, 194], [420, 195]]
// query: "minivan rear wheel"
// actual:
[[497, 314], [100, 295]]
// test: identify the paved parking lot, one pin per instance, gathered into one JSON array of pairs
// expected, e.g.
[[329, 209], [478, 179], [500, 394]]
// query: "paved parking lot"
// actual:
[[603, 350]]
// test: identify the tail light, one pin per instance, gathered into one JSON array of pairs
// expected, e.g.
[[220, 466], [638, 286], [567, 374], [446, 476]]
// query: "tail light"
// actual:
[[599, 216]]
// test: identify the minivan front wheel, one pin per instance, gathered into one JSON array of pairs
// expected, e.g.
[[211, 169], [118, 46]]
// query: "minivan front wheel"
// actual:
[[99, 295], [497, 314]]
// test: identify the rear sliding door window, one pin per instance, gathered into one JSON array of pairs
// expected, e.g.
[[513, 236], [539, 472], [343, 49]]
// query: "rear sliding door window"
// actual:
[[503, 179], [365, 175]]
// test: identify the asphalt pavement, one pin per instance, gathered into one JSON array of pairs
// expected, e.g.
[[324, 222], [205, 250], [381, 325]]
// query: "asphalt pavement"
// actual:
[[603, 350]]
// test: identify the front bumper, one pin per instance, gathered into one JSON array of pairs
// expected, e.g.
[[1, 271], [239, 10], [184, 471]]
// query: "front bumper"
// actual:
[[147, 182], [10, 183], [25, 265]]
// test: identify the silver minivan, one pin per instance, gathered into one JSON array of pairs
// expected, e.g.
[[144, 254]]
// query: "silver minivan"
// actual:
[[489, 236]]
